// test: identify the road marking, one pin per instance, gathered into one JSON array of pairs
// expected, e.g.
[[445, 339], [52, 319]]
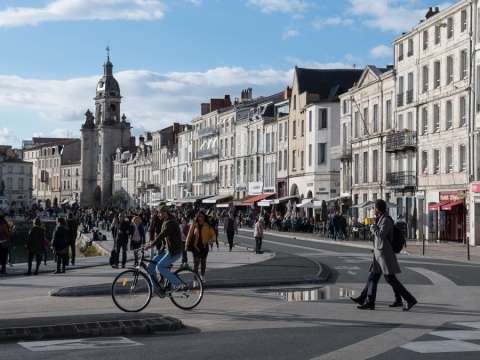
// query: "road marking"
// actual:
[[78, 344], [475, 325], [458, 334], [433, 276], [288, 245], [436, 347], [341, 267]]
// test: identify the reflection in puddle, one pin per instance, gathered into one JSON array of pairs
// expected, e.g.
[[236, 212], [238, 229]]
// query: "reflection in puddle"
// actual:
[[316, 294]]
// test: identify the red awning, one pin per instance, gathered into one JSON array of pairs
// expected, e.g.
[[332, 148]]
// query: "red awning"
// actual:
[[436, 206], [250, 200], [452, 204]]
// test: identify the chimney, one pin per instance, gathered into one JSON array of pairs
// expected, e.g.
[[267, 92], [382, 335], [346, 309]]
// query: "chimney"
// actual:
[[437, 9], [205, 108], [246, 95], [430, 13], [141, 139], [287, 94], [227, 100]]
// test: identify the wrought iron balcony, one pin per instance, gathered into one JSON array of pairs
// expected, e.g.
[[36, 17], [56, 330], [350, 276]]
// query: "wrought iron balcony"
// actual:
[[341, 152], [206, 178], [401, 179], [401, 141], [208, 131], [207, 153]]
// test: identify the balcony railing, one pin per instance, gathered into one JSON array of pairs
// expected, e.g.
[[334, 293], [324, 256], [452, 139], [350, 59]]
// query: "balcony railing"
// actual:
[[205, 178], [400, 99], [401, 141], [341, 152], [208, 131], [409, 96], [207, 153], [401, 179]]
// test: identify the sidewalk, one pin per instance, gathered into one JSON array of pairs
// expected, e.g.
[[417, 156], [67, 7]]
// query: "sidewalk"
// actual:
[[444, 251]]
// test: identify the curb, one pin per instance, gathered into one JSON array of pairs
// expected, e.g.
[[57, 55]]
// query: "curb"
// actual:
[[141, 326]]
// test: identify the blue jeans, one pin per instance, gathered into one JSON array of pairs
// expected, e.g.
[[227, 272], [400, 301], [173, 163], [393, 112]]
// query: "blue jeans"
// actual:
[[162, 262]]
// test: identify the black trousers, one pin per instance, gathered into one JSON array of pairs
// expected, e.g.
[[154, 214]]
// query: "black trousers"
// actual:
[[230, 235], [73, 249], [200, 262], [121, 245], [258, 244], [62, 261], [3, 259], [369, 293], [38, 259]]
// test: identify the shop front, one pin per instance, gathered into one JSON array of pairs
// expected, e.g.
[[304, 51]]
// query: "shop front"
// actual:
[[447, 217]]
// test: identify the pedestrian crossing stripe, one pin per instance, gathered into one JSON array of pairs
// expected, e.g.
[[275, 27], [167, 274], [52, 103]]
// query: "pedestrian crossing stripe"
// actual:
[[78, 344], [457, 341]]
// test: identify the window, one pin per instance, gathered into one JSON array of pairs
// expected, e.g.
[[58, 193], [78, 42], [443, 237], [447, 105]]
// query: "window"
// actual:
[[20, 183], [232, 147], [388, 110], [448, 160], [279, 161], [436, 74], [226, 147], [345, 106], [450, 28], [463, 20], [436, 118], [424, 163], [425, 39], [462, 159], [400, 91], [356, 125], [322, 119], [375, 166], [400, 125], [425, 78], [424, 129], [410, 88], [463, 65], [410, 47], [375, 118], [285, 125], [310, 121], [285, 160], [400, 52], [267, 143], [258, 168], [463, 111], [258, 141], [280, 132], [309, 154], [437, 34], [294, 129], [294, 165], [365, 121], [321, 155], [294, 102], [356, 168], [449, 69], [436, 161], [302, 160], [365, 167], [449, 115]]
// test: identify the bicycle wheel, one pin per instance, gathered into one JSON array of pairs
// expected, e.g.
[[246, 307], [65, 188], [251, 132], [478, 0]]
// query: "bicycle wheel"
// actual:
[[190, 297], [131, 291]]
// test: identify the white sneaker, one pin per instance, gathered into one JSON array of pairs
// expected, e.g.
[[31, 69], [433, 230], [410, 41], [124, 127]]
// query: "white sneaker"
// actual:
[[203, 278]]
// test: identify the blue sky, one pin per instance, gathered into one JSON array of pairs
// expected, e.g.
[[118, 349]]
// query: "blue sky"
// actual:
[[170, 55]]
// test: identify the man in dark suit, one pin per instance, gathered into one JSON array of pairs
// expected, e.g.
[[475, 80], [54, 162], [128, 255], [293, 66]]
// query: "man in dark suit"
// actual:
[[384, 262]]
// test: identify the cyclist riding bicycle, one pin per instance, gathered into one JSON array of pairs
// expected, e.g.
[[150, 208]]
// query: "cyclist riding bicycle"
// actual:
[[171, 239]]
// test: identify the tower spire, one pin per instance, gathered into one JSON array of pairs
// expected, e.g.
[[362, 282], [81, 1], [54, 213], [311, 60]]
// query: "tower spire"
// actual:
[[108, 52]]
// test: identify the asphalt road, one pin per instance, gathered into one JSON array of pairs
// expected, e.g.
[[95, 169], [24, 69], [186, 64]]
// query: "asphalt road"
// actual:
[[263, 324]]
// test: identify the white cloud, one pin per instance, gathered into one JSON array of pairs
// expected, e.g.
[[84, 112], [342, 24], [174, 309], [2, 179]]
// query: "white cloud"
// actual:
[[332, 21], [290, 33], [150, 99], [381, 51], [75, 10], [389, 15], [7, 137], [341, 64], [280, 6]]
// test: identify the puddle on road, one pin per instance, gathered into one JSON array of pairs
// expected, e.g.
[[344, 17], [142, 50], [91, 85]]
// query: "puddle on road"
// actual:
[[313, 294]]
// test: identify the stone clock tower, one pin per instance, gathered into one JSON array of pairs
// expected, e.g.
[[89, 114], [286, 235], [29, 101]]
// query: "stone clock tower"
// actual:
[[102, 134]]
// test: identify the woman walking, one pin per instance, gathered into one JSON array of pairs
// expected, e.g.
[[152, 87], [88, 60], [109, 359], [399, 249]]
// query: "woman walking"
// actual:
[[258, 235], [35, 246], [138, 236], [60, 245], [200, 236], [230, 229]]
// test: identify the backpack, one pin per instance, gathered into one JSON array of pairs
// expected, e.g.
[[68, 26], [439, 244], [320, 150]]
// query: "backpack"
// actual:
[[398, 239]]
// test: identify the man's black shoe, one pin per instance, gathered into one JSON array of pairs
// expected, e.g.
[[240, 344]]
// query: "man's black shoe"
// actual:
[[359, 300], [409, 305], [366, 306], [397, 303]]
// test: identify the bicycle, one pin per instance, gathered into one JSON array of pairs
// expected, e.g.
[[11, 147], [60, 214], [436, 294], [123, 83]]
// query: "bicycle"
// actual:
[[132, 289]]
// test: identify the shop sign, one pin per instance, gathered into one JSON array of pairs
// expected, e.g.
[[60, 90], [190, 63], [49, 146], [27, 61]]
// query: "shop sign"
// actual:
[[255, 188], [476, 187], [452, 195], [269, 189]]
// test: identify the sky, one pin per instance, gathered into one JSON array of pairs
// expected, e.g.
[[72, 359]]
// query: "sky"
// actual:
[[171, 55]]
